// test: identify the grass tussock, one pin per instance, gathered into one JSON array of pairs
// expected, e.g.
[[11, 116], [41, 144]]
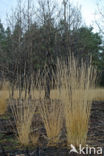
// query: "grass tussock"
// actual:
[[76, 80], [23, 112], [51, 113]]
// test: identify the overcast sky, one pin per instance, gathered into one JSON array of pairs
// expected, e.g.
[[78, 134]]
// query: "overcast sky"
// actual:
[[88, 9]]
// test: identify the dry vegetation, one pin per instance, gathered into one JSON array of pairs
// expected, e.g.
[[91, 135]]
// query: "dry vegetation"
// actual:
[[4, 95], [3, 105], [52, 116], [76, 80], [70, 100], [97, 94], [23, 111]]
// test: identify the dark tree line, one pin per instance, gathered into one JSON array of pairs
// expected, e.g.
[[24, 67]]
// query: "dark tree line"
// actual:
[[36, 37]]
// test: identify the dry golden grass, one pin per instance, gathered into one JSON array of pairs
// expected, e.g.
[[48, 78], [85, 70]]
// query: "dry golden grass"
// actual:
[[77, 111], [51, 114], [3, 105], [97, 94], [76, 81], [5, 94], [33, 92], [34, 139], [23, 112], [71, 99], [3, 101]]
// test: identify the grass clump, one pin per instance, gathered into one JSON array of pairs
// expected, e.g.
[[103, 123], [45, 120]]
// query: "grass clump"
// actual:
[[23, 111], [76, 79], [51, 114]]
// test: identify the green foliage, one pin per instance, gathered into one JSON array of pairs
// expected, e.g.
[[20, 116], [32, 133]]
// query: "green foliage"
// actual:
[[24, 52], [87, 43]]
